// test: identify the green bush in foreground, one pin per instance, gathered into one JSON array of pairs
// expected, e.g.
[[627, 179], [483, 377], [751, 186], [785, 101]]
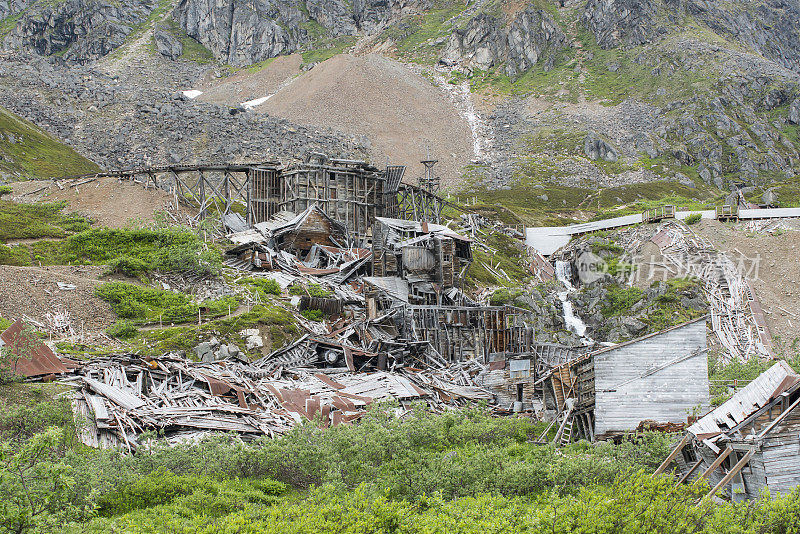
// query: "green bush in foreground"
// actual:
[[461, 472], [694, 218]]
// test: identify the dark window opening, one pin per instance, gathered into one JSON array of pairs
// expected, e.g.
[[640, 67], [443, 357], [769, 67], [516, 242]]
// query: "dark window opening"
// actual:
[[520, 392]]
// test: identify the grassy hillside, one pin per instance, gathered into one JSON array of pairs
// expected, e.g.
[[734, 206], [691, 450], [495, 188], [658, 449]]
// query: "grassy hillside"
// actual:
[[26, 152]]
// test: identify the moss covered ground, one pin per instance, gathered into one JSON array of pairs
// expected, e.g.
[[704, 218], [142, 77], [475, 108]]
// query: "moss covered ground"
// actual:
[[27, 152]]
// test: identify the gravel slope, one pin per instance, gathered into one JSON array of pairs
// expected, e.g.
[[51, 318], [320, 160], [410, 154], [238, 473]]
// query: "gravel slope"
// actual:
[[401, 113]]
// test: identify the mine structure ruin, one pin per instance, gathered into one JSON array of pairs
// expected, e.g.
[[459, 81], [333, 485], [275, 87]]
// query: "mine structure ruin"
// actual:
[[349, 191]]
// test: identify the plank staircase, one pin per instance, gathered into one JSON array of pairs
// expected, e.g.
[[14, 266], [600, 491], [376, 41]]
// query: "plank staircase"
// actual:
[[566, 434]]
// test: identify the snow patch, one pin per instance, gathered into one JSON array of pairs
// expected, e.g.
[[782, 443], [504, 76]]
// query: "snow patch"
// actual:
[[250, 104], [192, 94]]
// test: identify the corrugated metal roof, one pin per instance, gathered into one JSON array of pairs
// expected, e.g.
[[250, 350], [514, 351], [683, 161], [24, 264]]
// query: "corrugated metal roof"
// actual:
[[749, 399], [31, 356], [392, 285]]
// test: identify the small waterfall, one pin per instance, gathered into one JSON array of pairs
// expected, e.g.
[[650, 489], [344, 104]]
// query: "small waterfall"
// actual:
[[573, 322]]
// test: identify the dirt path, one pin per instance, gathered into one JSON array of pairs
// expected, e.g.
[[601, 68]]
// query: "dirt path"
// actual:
[[107, 202], [34, 291]]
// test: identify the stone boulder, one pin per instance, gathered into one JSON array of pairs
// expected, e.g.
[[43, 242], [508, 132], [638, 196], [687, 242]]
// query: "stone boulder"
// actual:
[[596, 148], [167, 45], [794, 112]]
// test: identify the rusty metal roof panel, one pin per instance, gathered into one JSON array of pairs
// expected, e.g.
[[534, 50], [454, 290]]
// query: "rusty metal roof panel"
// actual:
[[35, 359]]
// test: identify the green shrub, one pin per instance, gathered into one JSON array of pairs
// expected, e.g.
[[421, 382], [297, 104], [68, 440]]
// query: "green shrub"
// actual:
[[313, 315], [263, 286], [33, 221], [312, 290], [694, 218], [122, 330], [158, 487], [146, 304], [133, 267], [6, 190], [620, 300], [504, 296]]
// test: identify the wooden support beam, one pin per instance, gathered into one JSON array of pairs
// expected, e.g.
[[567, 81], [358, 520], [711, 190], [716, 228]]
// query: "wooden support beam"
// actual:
[[678, 448], [685, 477], [732, 473], [778, 419], [721, 458]]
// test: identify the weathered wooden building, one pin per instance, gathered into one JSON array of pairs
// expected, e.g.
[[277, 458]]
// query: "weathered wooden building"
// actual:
[[515, 378], [662, 377], [351, 192], [430, 257], [750, 443], [461, 332]]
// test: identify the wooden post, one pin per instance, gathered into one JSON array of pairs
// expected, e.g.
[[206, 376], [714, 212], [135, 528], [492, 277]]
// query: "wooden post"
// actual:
[[732, 473], [721, 458], [672, 456], [685, 477]]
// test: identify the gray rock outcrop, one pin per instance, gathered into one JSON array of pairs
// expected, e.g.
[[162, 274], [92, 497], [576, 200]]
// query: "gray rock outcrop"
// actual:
[[486, 42], [79, 30], [794, 112], [596, 148], [620, 22], [167, 45], [242, 33], [12, 7]]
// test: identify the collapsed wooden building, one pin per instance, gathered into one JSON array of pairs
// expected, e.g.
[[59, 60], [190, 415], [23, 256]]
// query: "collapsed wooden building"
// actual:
[[748, 445]]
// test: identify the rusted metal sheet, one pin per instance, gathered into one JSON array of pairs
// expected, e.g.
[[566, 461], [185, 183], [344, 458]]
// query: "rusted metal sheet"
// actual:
[[30, 357]]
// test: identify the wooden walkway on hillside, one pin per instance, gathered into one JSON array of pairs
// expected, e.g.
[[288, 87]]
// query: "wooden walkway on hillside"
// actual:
[[548, 239]]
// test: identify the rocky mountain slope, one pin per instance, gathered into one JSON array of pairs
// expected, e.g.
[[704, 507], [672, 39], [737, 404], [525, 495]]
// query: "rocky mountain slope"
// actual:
[[556, 94]]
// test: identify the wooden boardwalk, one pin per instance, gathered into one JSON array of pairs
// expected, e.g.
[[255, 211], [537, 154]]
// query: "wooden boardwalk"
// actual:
[[548, 239]]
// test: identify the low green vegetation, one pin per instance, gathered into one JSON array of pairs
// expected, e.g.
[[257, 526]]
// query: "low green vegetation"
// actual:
[[263, 287], [534, 198], [278, 324], [462, 471], [35, 221], [420, 37], [620, 300], [694, 218], [123, 329], [132, 252], [328, 50], [505, 255], [30, 153], [147, 305], [669, 309], [311, 290], [313, 315]]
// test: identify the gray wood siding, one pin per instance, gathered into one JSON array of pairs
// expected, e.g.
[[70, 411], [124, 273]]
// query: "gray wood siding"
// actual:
[[782, 455], [668, 395]]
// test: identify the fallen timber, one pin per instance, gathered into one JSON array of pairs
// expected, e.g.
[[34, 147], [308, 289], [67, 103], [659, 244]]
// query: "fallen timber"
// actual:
[[736, 316], [121, 397]]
